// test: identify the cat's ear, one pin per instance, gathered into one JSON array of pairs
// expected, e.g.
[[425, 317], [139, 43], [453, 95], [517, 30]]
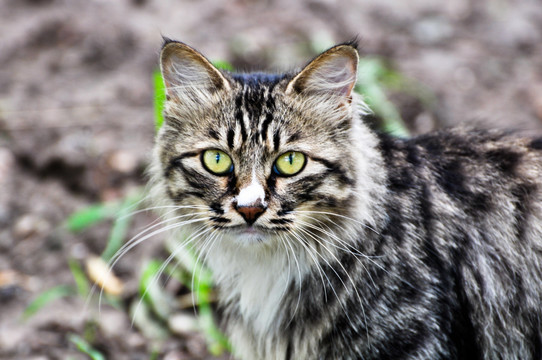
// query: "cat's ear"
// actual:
[[332, 74], [187, 74]]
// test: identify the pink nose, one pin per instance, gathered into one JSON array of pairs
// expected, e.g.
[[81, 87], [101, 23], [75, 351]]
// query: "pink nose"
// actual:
[[250, 213]]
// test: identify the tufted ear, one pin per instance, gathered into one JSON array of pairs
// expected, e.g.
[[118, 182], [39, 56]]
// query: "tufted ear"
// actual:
[[187, 74], [332, 74]]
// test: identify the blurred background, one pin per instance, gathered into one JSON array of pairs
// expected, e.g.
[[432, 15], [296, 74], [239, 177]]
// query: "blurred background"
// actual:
[[77, 128]]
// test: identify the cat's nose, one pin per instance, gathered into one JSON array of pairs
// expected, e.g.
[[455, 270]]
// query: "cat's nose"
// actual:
[[250, 202], [251, 212]]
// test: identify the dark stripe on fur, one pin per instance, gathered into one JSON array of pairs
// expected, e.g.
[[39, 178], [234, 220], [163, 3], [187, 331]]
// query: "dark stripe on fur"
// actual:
[[523, 194], [230, 136], [536, 144], [219, 219], [505, 160], [295, 136], [212, 133], [195, 179], [217, 208], [276, 140], [176, 162], [463, 332], [265, 125], [285, 210], [281, 221], [239, 117], [336, 170]]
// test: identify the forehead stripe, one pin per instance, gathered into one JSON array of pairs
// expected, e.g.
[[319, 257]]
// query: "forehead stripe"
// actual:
[[276, 140], [239, 116], [231, 135], [265, 125]]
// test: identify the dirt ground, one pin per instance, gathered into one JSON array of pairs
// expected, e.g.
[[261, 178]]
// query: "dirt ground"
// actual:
[[76, 120]]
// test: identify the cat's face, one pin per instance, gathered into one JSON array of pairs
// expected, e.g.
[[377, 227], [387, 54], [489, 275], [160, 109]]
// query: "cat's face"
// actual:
[[252, 158]]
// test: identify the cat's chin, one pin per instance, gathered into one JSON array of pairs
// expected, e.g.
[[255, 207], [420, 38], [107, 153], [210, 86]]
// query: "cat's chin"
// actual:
[[249, 235]]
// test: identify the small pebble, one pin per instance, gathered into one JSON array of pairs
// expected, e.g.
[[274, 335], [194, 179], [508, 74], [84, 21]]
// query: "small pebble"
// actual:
[[102, 275], [123, 161], [30, 225], [6, 164], [182, 324], [175, 355], [113, 323]]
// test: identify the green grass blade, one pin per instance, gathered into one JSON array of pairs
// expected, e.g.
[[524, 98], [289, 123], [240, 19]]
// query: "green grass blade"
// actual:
[[121, 226], [47, 297], [91, 215], [158, 300], [149, 273], [80, 278], [159, 98], [373, 78], [202, 286], [217, 342], [223, 65], [85, 347]]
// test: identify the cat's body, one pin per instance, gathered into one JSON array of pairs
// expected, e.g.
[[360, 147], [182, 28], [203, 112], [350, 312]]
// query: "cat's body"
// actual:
[[368, 247]]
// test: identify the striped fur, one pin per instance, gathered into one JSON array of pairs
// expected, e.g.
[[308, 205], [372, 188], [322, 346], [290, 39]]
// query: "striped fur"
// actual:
[[380, 248]]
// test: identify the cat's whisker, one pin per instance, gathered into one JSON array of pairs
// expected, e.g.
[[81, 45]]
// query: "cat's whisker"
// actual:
[[307, 246], [169, 259], [303, 242], [368, 258], [340, 216], [122, 251], [286, 242], [172, 207], [322, 242], [289, 265], [356, 254], [348, 248], [135, 240], [196, 266], [200, 265], [133, 243]]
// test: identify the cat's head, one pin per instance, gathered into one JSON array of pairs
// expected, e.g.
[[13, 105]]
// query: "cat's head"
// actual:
[[252, 159]]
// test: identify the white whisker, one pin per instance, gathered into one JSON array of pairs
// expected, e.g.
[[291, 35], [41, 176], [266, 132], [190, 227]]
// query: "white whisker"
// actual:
[[131, 244], [322, 242], [285, 241], [169, 259], [316, 263], [338, 215], [172, 207], [332, 269]]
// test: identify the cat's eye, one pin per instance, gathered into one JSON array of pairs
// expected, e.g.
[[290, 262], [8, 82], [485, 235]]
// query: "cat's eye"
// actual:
[[289, 164], [217, 162]]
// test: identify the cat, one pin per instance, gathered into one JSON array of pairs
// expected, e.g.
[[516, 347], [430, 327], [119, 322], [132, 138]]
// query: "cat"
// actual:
[[329, 240]]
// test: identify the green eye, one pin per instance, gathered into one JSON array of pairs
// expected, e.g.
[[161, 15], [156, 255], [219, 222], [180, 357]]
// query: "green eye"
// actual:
[[289, 163], [217, 162]]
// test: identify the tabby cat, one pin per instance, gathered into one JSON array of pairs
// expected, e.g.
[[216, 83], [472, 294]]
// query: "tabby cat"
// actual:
[[329, 240]]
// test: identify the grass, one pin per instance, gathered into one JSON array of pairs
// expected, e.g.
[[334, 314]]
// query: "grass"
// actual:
[[84, 347], [151, 310]]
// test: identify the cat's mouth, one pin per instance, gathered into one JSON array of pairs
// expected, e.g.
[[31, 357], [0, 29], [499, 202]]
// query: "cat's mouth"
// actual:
[[250, 233]]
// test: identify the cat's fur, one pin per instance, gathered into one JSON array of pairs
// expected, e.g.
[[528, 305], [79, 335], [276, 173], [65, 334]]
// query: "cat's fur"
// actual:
[[380, 248]]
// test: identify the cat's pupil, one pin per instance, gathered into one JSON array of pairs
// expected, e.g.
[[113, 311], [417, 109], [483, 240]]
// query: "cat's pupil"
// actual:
[[291, 158], [217, 157]]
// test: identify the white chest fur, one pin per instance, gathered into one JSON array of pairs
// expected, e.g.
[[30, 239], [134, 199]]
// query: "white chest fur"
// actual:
[[256, 281]]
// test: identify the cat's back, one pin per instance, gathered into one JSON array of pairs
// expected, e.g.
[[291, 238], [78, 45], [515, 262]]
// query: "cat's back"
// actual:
[[475, 200], [478, 172]]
